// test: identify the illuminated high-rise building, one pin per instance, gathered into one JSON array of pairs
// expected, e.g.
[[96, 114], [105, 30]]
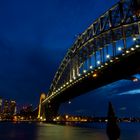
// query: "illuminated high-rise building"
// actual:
[[12, 107], [0, 105], [6, 107]]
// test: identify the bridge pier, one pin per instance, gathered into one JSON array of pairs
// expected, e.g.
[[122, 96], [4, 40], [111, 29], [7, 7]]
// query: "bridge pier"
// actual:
[[50, 110]]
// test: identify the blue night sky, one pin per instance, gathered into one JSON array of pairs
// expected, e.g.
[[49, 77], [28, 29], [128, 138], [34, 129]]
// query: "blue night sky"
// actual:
[[34, 37]]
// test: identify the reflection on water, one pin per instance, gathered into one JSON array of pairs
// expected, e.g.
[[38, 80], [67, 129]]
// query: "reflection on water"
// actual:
[[17, 131], [40, 131], [58, 132]]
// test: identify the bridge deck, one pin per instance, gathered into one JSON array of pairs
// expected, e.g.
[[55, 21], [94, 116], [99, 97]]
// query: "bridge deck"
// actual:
[[119, 69]]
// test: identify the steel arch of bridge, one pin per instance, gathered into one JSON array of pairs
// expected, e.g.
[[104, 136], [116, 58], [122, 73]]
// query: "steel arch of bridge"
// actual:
[[104, 41]]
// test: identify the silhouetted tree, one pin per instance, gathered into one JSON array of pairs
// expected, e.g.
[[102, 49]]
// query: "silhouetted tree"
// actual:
[[112, 129]]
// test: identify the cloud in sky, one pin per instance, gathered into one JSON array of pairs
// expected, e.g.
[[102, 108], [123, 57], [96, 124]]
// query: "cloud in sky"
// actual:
[[131, 92]]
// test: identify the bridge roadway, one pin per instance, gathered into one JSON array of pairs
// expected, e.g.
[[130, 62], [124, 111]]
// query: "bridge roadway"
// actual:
[[118, 69]]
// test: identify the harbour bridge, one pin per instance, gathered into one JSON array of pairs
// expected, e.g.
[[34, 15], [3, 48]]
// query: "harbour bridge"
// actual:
[[107, 51]]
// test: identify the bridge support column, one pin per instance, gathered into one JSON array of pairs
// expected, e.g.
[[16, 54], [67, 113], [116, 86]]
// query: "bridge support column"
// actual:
[[71, 70], [76, 66], [77, 69], [95, 59], [124, 38], [103, 52], [139, 27], [101, 60], [114, 48], [51, 111], [89, 62]]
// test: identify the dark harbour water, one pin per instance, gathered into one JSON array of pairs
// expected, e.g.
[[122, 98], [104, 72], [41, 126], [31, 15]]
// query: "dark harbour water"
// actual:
[[40, 131]]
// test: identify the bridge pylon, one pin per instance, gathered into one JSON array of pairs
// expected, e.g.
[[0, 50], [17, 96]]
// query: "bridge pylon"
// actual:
[[41, 115]]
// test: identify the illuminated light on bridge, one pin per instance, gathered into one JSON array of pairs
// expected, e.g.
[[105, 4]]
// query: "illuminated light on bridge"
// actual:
[[135, 79], [111, 60], [98, 62], [119, 49], [134, 38], [69, 102], [127, 51], [132, 49], [137, 46], [108, 56], [91, 67], [95, 75], [84, 71], [106, 64], [79, 74]]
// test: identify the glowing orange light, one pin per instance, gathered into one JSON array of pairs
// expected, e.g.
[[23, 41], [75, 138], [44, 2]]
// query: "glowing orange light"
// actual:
[[15, 118], [94, 75], [43, 96]]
